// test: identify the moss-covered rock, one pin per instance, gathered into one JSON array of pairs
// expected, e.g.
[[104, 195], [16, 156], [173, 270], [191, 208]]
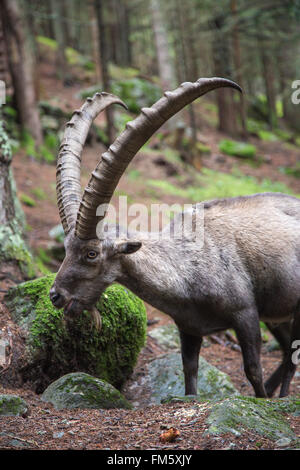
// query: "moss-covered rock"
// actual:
[[13, 248], [12, 405], [237, 149], [54, 347], [80, 390], [166, 379], [265, 417]]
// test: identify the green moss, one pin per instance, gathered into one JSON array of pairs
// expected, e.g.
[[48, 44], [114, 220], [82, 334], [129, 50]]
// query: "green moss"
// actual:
[[51, 140], [213, 184], [4, 143], [202, 148], [46, 155], [267, 136], [48, 42], [265, 417], [136, 92], [284, 135], [134, 175], [102, 135], [28, 144], [237, 149], [13, 247], [122, 73], [12, 405], [110, 354], [80, 390], [39, 193], [292, 171], [27, 200]]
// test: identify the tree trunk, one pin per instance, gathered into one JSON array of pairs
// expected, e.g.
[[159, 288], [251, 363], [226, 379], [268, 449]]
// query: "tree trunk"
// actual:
[[20, 66], [268, 76], [59, 27], [238, 69], [164, 61], [104, 67], [4, 72], [95, 40], [188, 56], [221, 56], [165, 66], [16, 263]]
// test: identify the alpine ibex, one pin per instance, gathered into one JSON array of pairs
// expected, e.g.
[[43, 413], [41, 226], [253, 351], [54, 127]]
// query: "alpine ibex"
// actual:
[[247, 269]]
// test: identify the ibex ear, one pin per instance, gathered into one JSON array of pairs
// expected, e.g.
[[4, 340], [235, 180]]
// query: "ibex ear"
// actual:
[[126, 247]]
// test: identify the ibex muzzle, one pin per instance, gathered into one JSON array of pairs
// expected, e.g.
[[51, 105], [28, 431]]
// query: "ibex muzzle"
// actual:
[[247, 269]]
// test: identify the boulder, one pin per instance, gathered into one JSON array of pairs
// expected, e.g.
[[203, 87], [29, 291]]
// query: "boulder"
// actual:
[[12, 405], [166, 379], [54, 347], [80, 390], [264, 416]]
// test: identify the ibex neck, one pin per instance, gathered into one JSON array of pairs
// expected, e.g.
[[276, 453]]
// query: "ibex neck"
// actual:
[[156, 274]]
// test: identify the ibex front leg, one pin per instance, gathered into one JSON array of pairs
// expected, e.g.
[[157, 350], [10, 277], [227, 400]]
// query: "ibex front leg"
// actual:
[[190, 349], [248, 332]]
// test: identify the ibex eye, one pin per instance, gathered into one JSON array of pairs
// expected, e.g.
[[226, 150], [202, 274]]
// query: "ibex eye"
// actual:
[[92, 254]]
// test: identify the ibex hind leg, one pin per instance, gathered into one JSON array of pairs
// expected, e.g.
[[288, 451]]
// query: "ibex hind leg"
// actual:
[[282, 333], [248, 332], [290, 363], [190, 349]]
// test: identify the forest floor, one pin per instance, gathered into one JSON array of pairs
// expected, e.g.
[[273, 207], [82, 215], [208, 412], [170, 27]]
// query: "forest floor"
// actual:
[[47, 428]]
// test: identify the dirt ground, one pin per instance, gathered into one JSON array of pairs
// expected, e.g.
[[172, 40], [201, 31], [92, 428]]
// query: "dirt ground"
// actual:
[[47, 428]]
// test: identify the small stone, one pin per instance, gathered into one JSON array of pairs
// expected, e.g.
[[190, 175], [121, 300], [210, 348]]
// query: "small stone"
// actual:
[[58, 435], [12, 405], [283, 442]]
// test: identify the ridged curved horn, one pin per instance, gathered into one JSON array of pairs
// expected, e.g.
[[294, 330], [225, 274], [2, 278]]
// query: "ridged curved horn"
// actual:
[[68, 188], [113, 163]]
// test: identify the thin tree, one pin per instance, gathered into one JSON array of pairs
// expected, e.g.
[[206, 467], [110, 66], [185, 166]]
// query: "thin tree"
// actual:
[[99, 9], [20, 66], [222, 66], [238, 66], [60, 34]]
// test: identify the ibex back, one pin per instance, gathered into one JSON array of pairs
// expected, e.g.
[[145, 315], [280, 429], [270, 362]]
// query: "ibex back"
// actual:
[[247, 269]]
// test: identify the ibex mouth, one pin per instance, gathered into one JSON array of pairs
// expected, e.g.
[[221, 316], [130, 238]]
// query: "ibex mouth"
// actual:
[[73, 307], [68, 306]]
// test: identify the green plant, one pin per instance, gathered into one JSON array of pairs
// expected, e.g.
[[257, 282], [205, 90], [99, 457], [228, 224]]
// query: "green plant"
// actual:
[[39, 193], [27, 200], [237, 149], [213, 184]]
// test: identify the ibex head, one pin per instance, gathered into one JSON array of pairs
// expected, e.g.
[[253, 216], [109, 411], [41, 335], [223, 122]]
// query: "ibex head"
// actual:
[[92, 264]]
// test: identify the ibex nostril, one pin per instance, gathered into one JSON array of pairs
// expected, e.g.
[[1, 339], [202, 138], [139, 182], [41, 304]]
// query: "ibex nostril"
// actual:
[[54, 296]]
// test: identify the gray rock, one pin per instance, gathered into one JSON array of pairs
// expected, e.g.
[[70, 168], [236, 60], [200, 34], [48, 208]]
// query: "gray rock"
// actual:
[[166, 378], [12, 405], [58, 435], [283, 442], [57, 233], [80, 390], [167, 336], [264, 416]]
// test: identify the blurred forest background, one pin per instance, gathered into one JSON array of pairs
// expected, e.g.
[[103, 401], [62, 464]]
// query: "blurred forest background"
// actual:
[[55, 53]]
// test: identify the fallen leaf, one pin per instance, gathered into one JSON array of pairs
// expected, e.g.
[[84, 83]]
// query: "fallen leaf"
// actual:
[[170, 435]]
